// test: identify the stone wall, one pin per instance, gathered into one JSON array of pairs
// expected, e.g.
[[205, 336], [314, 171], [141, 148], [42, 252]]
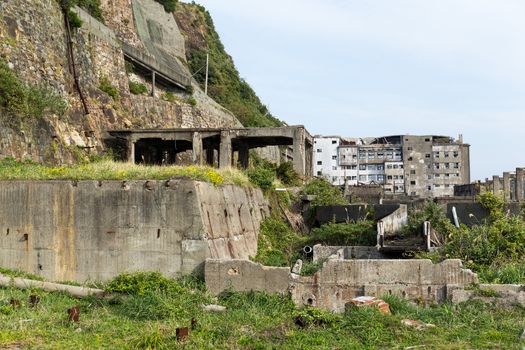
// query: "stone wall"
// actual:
[[33, 41], [93, 230]]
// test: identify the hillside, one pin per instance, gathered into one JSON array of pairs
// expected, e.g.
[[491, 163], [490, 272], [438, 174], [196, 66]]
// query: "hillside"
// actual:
[[61, 90]]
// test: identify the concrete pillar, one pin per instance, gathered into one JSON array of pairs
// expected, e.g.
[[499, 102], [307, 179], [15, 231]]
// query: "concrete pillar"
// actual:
[[299, 159], [153, 83], [520, 176], [244, 155], [210, 155], [225, 152], [131, 151], [496, 185], [506, 186], [198, 154]]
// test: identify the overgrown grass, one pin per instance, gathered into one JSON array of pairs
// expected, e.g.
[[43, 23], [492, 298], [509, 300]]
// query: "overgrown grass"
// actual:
[[252, 321], [11, 169], [108, 88], [24, 101], [324, 192], [360, 233], [494, 249], [137, 88]]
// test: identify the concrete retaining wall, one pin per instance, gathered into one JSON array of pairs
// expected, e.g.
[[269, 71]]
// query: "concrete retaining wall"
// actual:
[[339, 281], [244, 275], [321, 252], [93, 230]]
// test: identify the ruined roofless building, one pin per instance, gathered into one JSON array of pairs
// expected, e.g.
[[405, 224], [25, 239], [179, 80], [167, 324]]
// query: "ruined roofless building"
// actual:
[[423, 166]]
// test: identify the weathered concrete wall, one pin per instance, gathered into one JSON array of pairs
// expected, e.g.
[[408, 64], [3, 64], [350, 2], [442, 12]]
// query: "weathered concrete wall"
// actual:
[[322, 252], [391, 224], [93, 230], [339, 281], [244, 275]]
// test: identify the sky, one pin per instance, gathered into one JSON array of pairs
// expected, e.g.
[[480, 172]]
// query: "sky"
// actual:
[[361, 68]]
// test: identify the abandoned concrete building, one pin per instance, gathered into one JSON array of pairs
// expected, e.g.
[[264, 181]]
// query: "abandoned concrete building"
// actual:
[[510, 186], [219, 146], [423, 166]]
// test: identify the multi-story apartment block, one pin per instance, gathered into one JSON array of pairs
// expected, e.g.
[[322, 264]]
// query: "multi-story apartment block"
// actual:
[[425, 166]]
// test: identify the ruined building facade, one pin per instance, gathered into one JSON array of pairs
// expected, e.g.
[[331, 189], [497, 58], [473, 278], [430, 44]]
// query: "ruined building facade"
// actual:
[[423, 166]]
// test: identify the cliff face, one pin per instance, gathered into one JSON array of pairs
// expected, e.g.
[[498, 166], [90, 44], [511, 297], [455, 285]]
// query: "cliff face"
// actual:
[[34, 44]]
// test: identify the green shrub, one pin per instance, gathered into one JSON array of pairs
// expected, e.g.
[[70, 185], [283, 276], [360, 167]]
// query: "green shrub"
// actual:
[[277, 243], [287, 174], [261, 177], [108, 88], [433, 213], [142, 283], [169, 96], [169, 5], [192, 101], [27, 101], [137, 88], [495, 249], [360, 233], [74, 19], [91, 6], [325, 193]]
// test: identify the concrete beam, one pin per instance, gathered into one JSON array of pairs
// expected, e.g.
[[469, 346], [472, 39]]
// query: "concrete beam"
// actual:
[[506, 186], [198, 154], [520, 175], [225, 152]]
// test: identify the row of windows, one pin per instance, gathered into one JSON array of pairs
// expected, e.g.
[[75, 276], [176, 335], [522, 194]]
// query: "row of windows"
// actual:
[[394, 166], [446, 165], [454, 154], [379, 155]]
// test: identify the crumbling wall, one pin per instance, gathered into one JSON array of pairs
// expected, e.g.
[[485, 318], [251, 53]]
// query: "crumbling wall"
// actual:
[[244, 275], [322, 252], [93, 230], [339, 281]]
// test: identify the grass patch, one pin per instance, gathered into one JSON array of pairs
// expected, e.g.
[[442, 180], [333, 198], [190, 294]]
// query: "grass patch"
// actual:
[[137, 88], [360, 233], [108, 88], [252, 321], [11, 169], [91, 6], [24, 101]]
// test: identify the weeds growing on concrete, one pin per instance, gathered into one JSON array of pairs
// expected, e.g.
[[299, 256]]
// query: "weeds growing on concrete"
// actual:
[[11, 169]]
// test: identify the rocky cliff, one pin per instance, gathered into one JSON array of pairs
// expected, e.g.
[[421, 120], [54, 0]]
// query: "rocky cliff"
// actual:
[[36, 45]]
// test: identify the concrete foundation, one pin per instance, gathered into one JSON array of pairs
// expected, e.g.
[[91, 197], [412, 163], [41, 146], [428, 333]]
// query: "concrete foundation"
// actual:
[[94, 230], [339, 280]]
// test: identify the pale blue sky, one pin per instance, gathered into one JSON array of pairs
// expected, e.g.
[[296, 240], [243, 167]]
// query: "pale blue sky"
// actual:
[[380, 67]]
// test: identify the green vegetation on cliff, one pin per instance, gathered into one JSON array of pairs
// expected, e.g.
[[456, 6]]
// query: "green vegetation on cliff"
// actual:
[[91, 6], [20, 101], [225, 84], [151, 308]]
